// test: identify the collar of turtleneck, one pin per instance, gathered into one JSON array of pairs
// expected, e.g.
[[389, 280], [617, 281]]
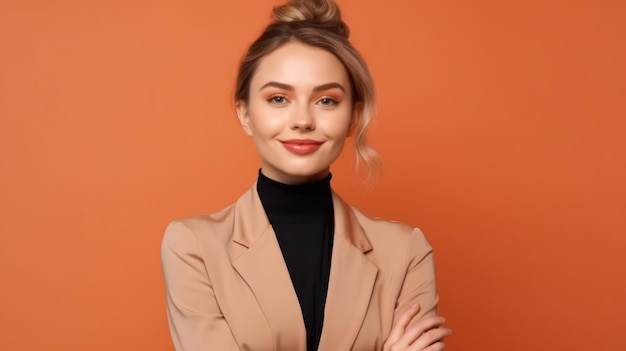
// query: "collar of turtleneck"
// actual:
[[285, 200]]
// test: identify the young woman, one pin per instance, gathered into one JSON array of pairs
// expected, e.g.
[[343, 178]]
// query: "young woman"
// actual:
[[290, 266]]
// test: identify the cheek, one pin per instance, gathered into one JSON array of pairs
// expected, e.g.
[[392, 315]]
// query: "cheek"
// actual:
[[338, 125], [264, 120]]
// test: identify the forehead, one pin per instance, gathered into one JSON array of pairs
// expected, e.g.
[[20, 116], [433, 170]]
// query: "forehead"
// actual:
[[300, 65]]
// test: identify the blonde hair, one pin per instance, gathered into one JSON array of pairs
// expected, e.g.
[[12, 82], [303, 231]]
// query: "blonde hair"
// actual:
[[317, 23]]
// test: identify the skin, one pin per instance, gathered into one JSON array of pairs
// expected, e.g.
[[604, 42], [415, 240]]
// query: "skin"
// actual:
[[304, 92], [298, 92]]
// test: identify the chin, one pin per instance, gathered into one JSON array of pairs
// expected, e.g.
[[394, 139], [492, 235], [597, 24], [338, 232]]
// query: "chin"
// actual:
[[301, 174]]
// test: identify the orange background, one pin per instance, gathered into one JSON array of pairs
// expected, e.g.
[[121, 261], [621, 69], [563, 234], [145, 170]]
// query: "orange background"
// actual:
[[501, 125]]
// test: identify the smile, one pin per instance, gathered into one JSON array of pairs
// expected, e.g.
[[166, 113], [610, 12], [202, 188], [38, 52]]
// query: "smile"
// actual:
[[301, 146]]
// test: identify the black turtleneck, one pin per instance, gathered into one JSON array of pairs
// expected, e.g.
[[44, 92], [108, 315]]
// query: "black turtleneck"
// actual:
[[303, 219]]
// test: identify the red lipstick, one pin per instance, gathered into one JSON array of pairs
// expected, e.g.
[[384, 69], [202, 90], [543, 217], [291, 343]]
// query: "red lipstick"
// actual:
[[301, 146]]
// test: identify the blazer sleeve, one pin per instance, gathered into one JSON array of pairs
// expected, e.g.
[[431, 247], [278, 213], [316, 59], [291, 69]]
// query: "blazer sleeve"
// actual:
[[419, 281], [195, 320]]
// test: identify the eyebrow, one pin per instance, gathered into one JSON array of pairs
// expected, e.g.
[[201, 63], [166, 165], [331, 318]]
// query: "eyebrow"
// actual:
[[291, 88]]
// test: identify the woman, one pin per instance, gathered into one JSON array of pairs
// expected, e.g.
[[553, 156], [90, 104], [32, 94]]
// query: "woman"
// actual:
[[290, 266]]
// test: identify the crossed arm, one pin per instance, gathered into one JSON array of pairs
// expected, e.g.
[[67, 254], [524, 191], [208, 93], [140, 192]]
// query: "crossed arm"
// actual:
[[416, 325], [197, 323]]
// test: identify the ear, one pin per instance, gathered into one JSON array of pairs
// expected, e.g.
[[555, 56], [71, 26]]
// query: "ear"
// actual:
[[355, 119], [244, 117]]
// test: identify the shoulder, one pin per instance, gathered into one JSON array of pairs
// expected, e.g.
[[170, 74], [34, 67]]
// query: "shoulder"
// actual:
[[184, 234], [390, 227], [392, 237]]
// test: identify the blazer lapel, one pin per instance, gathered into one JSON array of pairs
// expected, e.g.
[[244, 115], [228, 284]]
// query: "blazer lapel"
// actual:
[[352, 277], [263, 268]]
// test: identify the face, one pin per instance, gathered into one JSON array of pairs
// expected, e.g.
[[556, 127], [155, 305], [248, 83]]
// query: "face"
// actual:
[[299, 112]]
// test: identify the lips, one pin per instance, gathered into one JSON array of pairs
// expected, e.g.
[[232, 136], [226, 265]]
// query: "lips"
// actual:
[[301, 146]]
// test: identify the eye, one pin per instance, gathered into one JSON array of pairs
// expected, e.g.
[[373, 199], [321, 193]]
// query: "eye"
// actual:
[[277, 99], [327, 102]]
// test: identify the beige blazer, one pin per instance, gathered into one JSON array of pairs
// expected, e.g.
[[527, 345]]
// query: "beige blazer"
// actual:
[[228, 287]]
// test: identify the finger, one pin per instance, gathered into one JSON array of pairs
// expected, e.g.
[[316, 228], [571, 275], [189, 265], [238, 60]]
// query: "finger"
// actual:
[[399, 327], [412, 334], [431, 339], [407, 316], [438, 346]]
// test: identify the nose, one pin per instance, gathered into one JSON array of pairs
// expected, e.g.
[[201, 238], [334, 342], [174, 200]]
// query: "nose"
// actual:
[[302, 119]]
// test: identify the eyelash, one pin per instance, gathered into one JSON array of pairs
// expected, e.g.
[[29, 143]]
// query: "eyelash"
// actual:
[[272, 99], [329, 101]]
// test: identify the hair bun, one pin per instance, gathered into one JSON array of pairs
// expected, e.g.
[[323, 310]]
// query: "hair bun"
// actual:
[[324, 13]]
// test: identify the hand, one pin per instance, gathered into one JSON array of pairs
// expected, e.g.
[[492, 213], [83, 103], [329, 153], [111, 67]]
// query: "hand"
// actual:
[[426, 335]]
